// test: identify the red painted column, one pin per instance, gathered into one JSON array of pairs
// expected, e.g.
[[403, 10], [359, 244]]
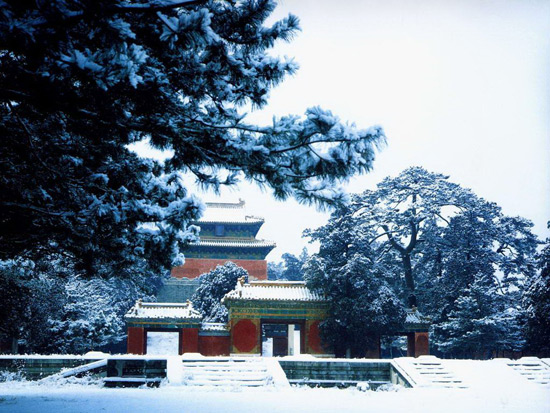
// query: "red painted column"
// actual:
[[189, 340], [137, 340], [314, 345], [421, 344]]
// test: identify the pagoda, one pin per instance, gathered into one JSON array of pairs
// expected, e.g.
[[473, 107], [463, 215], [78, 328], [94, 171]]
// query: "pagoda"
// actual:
[[227, 234]]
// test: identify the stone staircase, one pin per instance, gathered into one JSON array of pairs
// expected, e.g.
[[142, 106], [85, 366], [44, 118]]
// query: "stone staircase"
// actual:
[[533, 369], [233, 372], [427, 371]]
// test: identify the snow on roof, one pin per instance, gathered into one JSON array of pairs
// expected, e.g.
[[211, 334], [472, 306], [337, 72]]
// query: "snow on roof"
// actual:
[[416, 317], [227, 212], [224, 242], [163, 310], [273, 291]]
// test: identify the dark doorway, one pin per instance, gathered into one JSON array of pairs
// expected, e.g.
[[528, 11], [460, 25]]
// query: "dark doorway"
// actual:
[[280, 346], [282, 338]]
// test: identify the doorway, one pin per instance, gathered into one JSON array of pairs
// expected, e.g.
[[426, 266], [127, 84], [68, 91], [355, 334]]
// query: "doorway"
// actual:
[[163, 343], [281, 339]]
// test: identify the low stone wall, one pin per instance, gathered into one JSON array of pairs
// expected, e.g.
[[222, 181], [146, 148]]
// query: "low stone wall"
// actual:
[[341, 372], [120, 370], [139, 370], [37, 367], [125, 372]]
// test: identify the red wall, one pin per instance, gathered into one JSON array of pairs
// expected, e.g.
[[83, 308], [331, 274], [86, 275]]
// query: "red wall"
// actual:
[[193, 267], [421, 344], [418, 344], [189, 342], [136, 340], [214, 345], [245, 336]]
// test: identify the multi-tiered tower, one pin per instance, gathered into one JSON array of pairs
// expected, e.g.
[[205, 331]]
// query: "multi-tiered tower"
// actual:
[[227, 234]]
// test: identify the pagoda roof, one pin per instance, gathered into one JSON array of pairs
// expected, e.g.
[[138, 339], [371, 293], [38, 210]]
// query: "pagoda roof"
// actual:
[[172, 311], [240, 243], [415, 320], [228, 213], [273, 291]]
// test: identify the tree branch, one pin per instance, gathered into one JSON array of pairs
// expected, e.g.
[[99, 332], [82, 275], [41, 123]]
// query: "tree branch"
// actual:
[[393, 242]]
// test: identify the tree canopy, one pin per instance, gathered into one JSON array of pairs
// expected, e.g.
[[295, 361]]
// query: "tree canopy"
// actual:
[[537, 304], [289, 269], [213, 286], [440, 247], [81, 80]]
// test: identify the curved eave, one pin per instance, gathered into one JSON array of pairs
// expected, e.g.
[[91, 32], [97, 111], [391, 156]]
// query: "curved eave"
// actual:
[[233, 244], [179, 320], [253, 221], [416, 327], [274, 300]]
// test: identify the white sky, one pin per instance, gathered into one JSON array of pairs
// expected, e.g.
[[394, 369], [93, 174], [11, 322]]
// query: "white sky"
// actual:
[[460, 87]]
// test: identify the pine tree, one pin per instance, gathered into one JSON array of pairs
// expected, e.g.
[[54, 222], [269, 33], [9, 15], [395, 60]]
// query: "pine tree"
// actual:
[[290, 269], [50, 310], [537, 303], [274, 270], [82, 80], [480, 324], [212, 287], [363, 302], [436, 244]]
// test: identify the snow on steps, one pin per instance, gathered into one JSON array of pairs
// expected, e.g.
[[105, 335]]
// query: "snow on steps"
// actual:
[[532, 368], [231, 371], [427, 371]]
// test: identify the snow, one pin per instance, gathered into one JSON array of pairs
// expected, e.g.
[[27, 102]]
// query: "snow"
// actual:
[[162, 310], [214, 327], [416, 317], [493, 387], [228, 212], [234, 243], [162, 343], [273, 290]]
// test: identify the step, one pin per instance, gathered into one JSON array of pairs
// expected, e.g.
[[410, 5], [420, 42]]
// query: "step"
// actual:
[[429, 373], [239, 368], [255, 383], [221, 378]]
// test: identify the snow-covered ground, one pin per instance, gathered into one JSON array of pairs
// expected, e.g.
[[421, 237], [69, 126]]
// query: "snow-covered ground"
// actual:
[[493, 387]]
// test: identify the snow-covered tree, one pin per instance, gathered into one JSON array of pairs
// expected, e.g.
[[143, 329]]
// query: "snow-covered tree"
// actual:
[[81, 80], [212, 287], [433, 240], [290, 269], [537, 303], [413, 214], [274, 270], [363, 303], [92, 316], [481, 323], [50, 310], [467, 254]]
